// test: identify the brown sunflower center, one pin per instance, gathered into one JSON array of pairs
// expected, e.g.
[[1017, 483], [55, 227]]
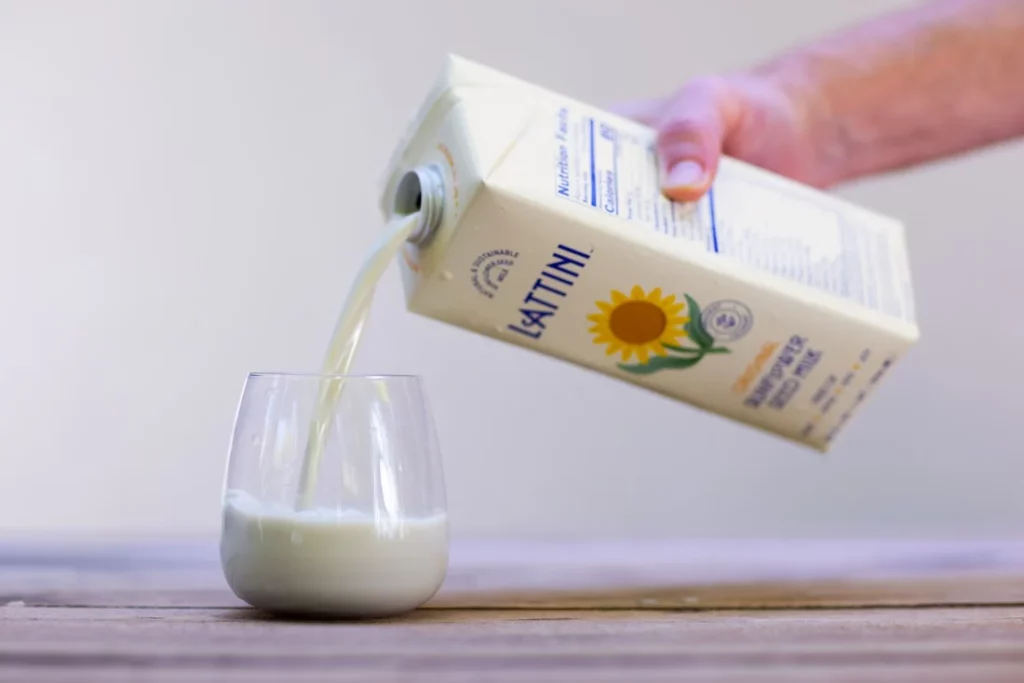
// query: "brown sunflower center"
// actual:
[[637, 322]]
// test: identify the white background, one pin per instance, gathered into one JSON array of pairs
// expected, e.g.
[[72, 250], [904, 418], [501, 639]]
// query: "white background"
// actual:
[[187, 187]]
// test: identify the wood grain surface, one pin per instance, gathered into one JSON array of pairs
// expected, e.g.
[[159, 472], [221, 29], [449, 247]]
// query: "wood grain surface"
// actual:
[[518, 611]]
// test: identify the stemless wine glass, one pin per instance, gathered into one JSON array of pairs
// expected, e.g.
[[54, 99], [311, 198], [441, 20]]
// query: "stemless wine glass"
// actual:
[[334, 501]]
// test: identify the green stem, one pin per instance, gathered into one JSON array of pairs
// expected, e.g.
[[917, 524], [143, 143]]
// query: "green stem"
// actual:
[[700, 352], [682, 349]]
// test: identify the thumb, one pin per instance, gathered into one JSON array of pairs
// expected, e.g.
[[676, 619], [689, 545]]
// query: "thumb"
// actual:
[[690, 138]]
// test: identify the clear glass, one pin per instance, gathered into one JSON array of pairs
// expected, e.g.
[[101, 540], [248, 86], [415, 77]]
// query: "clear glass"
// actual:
[[362, 532]]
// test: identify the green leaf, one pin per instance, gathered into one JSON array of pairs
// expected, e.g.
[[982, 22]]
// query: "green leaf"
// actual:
[[658, 363], [695, 328], [681, 349]]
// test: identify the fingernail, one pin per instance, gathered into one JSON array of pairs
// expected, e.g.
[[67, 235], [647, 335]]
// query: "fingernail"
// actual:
[[685, 174]]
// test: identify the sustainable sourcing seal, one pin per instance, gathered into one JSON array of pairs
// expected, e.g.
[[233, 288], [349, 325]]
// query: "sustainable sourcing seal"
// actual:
[[490, 269], [727, 320]]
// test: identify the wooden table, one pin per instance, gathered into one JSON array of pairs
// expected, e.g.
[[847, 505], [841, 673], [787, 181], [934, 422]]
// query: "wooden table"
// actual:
[[709, 611]]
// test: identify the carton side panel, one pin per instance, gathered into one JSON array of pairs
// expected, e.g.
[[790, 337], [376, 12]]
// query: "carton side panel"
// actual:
[[524, 276]]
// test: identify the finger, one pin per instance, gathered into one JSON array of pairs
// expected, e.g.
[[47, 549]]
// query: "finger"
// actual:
[[690, 139], [648, 112]]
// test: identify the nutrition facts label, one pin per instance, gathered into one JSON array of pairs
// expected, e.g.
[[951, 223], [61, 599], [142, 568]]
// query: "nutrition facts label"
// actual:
[[802, 236]]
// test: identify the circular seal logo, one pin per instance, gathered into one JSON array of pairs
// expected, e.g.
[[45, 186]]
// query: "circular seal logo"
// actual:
[[727, 320]]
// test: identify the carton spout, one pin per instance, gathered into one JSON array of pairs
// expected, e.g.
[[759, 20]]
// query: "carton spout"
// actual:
[[421, 190]]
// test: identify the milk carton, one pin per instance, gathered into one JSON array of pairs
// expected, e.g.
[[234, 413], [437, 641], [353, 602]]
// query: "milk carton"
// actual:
[[543, 225]]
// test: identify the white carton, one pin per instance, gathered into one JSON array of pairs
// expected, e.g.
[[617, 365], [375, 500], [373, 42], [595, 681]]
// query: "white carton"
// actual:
[[768, 302]]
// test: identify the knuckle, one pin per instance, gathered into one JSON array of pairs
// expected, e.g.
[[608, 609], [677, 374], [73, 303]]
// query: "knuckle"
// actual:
[[681, 127], [694, 114], [684, 135]]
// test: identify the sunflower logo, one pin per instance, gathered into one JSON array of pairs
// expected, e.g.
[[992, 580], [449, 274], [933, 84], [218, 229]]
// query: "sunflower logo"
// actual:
[[652, 327], [639, 324]]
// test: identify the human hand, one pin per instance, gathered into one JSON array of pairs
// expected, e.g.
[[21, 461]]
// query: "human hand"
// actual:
[[751, 117]]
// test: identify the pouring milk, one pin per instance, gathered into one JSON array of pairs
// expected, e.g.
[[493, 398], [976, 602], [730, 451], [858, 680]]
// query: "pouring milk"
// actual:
[[529, 217]]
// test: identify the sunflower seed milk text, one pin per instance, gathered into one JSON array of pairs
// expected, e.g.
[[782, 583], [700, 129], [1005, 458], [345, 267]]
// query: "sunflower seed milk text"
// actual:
[[767, 301]]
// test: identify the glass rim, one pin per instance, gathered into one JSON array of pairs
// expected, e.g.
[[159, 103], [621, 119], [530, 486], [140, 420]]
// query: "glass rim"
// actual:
[[332, 375]]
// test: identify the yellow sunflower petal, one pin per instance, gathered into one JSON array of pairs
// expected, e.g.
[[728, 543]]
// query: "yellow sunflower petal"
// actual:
[[674, 324]]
